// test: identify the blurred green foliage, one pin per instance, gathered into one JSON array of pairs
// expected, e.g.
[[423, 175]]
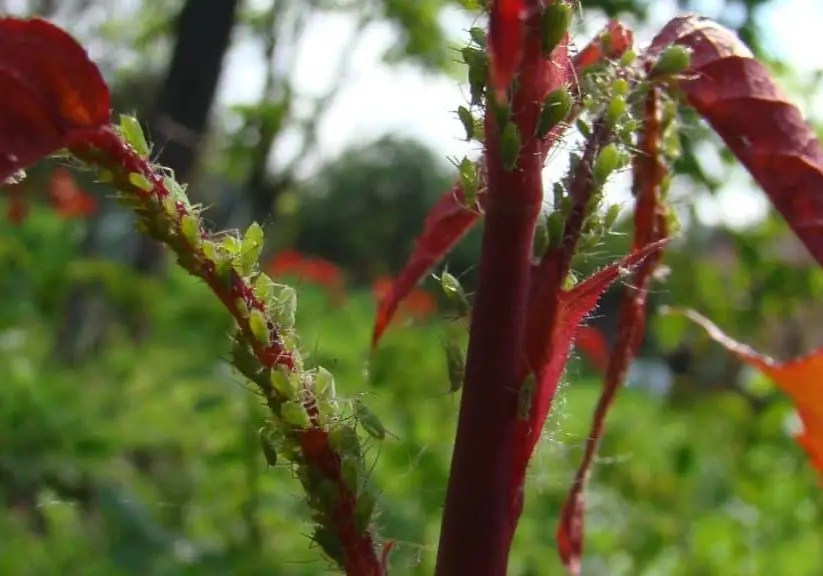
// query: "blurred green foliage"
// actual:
[[387, 187], [145, 459]]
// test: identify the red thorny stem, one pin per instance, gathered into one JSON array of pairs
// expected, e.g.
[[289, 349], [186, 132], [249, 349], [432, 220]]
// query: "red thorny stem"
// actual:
[[550, 275], [475, 531], [650, 226], [105, 148]]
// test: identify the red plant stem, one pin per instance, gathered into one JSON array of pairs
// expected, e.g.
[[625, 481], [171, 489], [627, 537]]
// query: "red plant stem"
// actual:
[[475, 530], [105, 148], [581, 190], [650, 225], [551, 273], [475, 521]]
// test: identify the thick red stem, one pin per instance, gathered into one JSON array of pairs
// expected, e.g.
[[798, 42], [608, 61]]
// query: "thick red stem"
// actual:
[[474, 538], [475, 531]]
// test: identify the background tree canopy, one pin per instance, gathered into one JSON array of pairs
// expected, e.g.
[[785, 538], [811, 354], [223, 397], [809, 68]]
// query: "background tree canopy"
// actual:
[[127, 447]]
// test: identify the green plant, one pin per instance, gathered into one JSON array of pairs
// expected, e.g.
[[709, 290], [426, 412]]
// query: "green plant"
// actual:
[[529, 304]]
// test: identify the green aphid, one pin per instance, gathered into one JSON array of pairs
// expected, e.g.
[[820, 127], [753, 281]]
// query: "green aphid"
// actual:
[[169, 206], [176, 190], [611, 217], [628, 58], [369, 420], [674, 59], [525, 397], [242, 307], [324, 384], [509, 146], [473, 5], [468, 182], [455, 363], [364, 510], [133, 134], [284, 307], [479, 127], [350, 473], [672, 148], [620, 86], [190, 227], [328, 494], [211, 251], [259, 325], [294, 414], [541, 240], [477, 83], [615, 110], [556, 109], [140, 182], [584, 128], [478, 36], [454, 292], [263, 287], [231, 244], [608, 161], [558, 193], [467, 120], [283, 383], [501, 109], [554, 24], [269, 451], [329, 543], [344, 440], [556, 225], [474, 57], [251, 248]]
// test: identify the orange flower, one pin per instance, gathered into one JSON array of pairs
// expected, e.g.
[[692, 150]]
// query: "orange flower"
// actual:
[[418, 304], [314, 270], [68, 199], [16, 208], [285, 262], [591, 342], [381, 287]]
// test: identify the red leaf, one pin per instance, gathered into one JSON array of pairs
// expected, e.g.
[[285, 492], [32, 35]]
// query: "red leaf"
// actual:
[[547, 351], [447, 222], [507, 33], [737, 96], [50, 90], [801, 379], [632, 326]]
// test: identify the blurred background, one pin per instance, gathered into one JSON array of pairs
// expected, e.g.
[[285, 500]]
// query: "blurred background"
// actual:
[[127, 447]]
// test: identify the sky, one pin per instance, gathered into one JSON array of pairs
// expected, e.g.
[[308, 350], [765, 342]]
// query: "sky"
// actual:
[[378, 99]]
